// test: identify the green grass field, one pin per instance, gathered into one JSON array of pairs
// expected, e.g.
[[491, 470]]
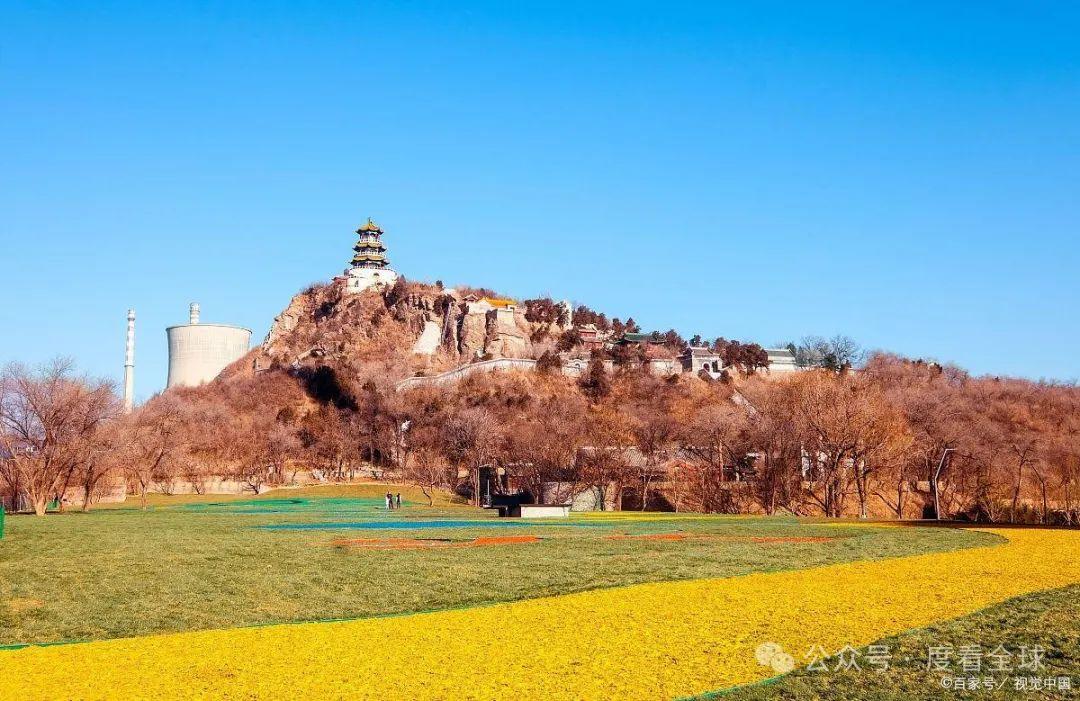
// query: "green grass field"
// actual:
[[209, 562], [1049, 619]]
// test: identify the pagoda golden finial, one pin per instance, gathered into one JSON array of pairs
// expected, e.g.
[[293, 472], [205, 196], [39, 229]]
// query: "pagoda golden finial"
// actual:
[[369, 227]]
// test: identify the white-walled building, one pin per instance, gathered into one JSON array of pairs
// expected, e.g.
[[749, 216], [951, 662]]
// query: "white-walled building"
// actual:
[[781, 360]]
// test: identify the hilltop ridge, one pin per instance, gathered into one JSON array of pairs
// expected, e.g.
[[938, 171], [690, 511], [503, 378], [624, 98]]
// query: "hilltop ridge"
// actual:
[[407, 329]]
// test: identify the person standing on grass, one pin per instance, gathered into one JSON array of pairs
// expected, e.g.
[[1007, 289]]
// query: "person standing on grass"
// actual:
[[398, 500], [389, 502]]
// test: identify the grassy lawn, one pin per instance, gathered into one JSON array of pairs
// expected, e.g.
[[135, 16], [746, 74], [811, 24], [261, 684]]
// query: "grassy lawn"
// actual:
[[209, 562], [1048, 619]]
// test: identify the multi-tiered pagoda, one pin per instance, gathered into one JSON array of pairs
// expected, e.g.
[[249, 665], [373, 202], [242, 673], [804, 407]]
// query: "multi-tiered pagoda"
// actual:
[[370, 250], [370, 266]]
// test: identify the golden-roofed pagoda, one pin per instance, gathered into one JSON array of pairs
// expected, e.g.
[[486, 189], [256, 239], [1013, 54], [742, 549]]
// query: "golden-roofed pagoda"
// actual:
[[369, 266], [369, 251]]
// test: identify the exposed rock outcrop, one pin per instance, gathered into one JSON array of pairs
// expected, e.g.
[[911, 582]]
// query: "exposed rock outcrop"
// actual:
[[408, 329]]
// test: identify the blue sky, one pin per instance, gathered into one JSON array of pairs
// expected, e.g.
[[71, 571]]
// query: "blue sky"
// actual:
[[904, 173]]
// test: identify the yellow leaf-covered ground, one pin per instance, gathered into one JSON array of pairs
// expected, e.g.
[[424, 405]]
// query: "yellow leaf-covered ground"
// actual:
[[651, 641]]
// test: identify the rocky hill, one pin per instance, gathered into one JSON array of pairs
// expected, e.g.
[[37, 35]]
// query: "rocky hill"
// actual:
[[409, 329]]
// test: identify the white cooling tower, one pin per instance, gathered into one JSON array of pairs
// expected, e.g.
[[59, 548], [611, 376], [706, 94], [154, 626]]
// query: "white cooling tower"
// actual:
[[198, 352]]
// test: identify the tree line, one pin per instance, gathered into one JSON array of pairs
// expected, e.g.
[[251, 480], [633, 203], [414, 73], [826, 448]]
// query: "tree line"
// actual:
[[896, 438]]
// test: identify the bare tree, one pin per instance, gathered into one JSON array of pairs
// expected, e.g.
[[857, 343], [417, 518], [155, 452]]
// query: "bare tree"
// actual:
[[543, 445], [155, 440], [715, 442], [849, 433], [428, 467], [654, 433], [330, 436], [472, 439], [266, 449], [605, 460], [102, 460], [837, 353], [48, 422]]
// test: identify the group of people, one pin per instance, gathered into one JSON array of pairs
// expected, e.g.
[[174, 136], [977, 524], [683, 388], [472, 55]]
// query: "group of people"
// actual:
[[393, 501]]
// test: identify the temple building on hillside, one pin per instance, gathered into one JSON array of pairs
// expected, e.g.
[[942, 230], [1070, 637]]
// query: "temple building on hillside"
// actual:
[[370, 266], [781, 360], [504, 308], [592, 337], [698, 359]]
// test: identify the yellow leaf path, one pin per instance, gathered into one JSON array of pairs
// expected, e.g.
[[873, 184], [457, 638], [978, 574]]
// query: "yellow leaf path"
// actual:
[[651, 641]]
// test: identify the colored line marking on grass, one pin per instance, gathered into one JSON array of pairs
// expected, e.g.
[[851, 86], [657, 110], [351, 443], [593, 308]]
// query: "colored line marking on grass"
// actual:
[[415, 525], [427, 543], [761, 539]]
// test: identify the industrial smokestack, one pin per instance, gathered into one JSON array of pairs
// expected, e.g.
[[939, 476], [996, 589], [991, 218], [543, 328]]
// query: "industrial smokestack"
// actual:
[[129, 364], [193, 313]]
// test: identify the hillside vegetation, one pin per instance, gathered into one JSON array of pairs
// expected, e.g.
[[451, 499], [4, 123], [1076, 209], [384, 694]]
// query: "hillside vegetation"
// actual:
[[896, 438]]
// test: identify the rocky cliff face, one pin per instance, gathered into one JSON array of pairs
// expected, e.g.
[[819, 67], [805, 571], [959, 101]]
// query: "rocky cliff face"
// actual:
[[325, 325]]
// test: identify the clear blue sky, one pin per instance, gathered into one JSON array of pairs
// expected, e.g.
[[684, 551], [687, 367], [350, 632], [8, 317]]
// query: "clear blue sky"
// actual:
[[904, 173]]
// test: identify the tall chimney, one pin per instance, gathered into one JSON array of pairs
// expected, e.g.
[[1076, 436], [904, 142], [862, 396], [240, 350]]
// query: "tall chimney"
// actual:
[[193, 313], [129, 364]]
